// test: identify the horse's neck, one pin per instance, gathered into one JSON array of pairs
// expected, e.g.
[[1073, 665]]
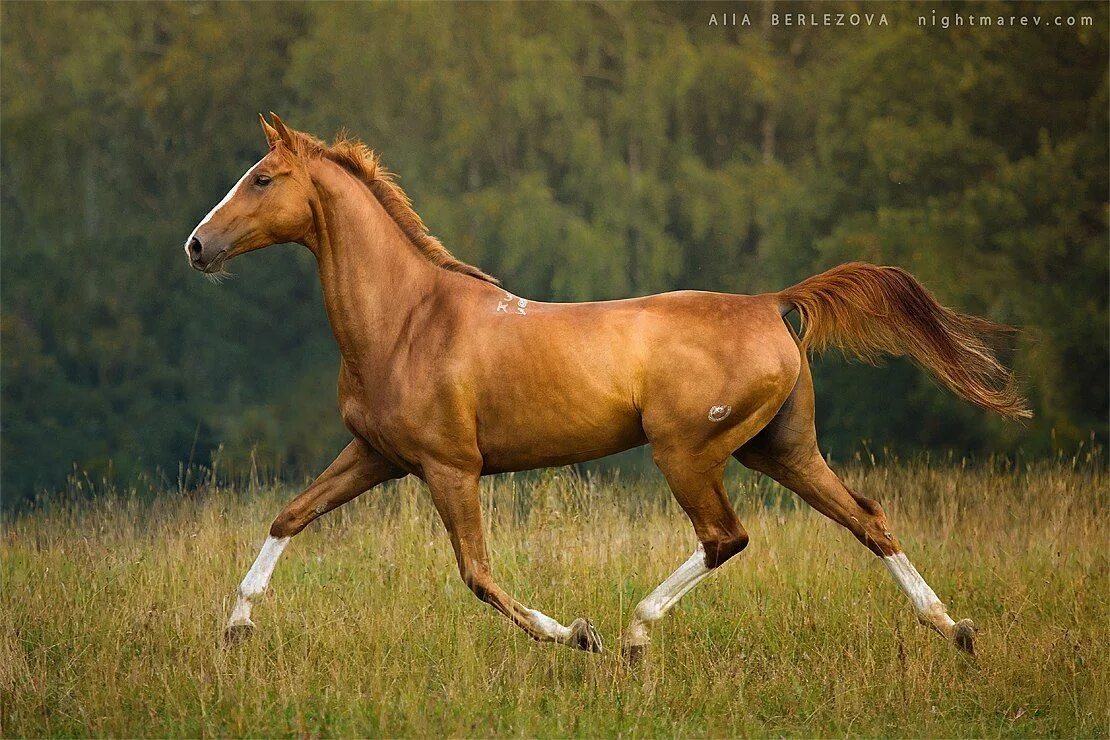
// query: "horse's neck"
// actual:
[[372, 276]]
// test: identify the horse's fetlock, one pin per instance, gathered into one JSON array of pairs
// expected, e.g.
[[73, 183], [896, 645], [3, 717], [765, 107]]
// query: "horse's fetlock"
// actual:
[[648, 611], [250, 590]]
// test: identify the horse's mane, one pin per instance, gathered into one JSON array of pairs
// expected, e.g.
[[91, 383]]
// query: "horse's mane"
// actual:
[[362, 162]]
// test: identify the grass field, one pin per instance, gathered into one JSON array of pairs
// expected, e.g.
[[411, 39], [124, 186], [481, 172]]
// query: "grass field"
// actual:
[[113, 611]]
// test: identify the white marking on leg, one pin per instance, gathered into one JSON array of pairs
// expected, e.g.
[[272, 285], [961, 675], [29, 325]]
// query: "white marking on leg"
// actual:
[[666, 595], [930, 609], [579, 634], [548, 627], [257, 579]]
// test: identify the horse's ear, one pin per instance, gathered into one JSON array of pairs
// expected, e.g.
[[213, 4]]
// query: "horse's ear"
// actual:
[[283, 131], [272, 135]]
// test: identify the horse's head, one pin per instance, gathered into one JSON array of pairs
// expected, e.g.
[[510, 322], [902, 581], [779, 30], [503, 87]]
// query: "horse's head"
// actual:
[[271, 204]]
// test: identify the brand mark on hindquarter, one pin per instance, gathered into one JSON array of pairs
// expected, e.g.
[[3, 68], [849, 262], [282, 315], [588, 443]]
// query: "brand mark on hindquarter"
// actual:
[[719, 413]]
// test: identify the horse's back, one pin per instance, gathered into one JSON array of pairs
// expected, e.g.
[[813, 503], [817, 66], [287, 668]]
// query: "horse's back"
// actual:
[[575, 381]]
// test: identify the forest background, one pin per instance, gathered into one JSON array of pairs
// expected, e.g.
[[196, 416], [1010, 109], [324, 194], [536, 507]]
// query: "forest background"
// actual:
[[577, 151]]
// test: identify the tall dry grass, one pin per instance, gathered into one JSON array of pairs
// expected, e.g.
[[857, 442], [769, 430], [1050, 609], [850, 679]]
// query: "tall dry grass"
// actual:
[[113, 610]]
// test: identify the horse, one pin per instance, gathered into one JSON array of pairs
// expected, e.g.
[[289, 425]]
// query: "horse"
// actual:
[[447, 376]]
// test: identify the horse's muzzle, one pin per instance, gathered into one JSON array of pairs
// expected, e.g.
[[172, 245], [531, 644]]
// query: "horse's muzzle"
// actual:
[[202, 259]]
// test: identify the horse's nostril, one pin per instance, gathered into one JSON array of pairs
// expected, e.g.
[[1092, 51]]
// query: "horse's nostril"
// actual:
[[194, 248]]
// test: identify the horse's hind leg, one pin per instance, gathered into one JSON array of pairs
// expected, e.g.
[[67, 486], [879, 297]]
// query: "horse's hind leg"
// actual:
[[695, 417], [356, 470], [720, 536], [787, 451]]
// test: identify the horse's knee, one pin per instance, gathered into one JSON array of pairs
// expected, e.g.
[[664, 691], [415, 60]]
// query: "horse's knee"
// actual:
[[719, 550]]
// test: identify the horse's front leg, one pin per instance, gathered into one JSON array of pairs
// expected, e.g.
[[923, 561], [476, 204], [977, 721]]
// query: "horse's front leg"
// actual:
[[455, 494], [357, 469]]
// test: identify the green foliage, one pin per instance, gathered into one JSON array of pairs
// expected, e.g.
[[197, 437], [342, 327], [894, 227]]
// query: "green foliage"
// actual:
[[578, 151]]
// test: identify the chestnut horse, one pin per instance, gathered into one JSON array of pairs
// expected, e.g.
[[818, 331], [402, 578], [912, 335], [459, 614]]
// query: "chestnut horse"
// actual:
[[449, 377]]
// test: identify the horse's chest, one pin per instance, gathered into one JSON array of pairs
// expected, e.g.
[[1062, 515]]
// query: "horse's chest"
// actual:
[[388, 418], [374, 417]]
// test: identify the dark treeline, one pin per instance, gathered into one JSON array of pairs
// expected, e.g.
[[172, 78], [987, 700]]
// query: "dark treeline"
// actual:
[[577, 151]]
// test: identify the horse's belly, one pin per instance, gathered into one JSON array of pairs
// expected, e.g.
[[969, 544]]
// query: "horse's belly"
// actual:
[[540, 436]]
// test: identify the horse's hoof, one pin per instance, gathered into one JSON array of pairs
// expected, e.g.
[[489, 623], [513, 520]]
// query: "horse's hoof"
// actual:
[[584, 637], [963, 634], [633, 653], [237, 633]]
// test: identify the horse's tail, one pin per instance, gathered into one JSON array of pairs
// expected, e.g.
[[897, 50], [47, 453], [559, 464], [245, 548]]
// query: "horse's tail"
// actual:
[[869, 310]]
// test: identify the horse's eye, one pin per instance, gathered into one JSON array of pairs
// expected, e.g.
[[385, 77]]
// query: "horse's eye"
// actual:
[[262, 180]]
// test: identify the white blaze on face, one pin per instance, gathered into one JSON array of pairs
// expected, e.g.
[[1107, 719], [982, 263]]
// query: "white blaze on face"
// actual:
[[257, 578], [222, 203]]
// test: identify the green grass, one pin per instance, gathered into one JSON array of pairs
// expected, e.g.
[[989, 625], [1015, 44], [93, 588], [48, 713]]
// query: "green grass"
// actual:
[[113, 611]]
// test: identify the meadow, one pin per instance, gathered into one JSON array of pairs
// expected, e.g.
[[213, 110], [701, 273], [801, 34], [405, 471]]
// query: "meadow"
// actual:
[[113, 611]]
